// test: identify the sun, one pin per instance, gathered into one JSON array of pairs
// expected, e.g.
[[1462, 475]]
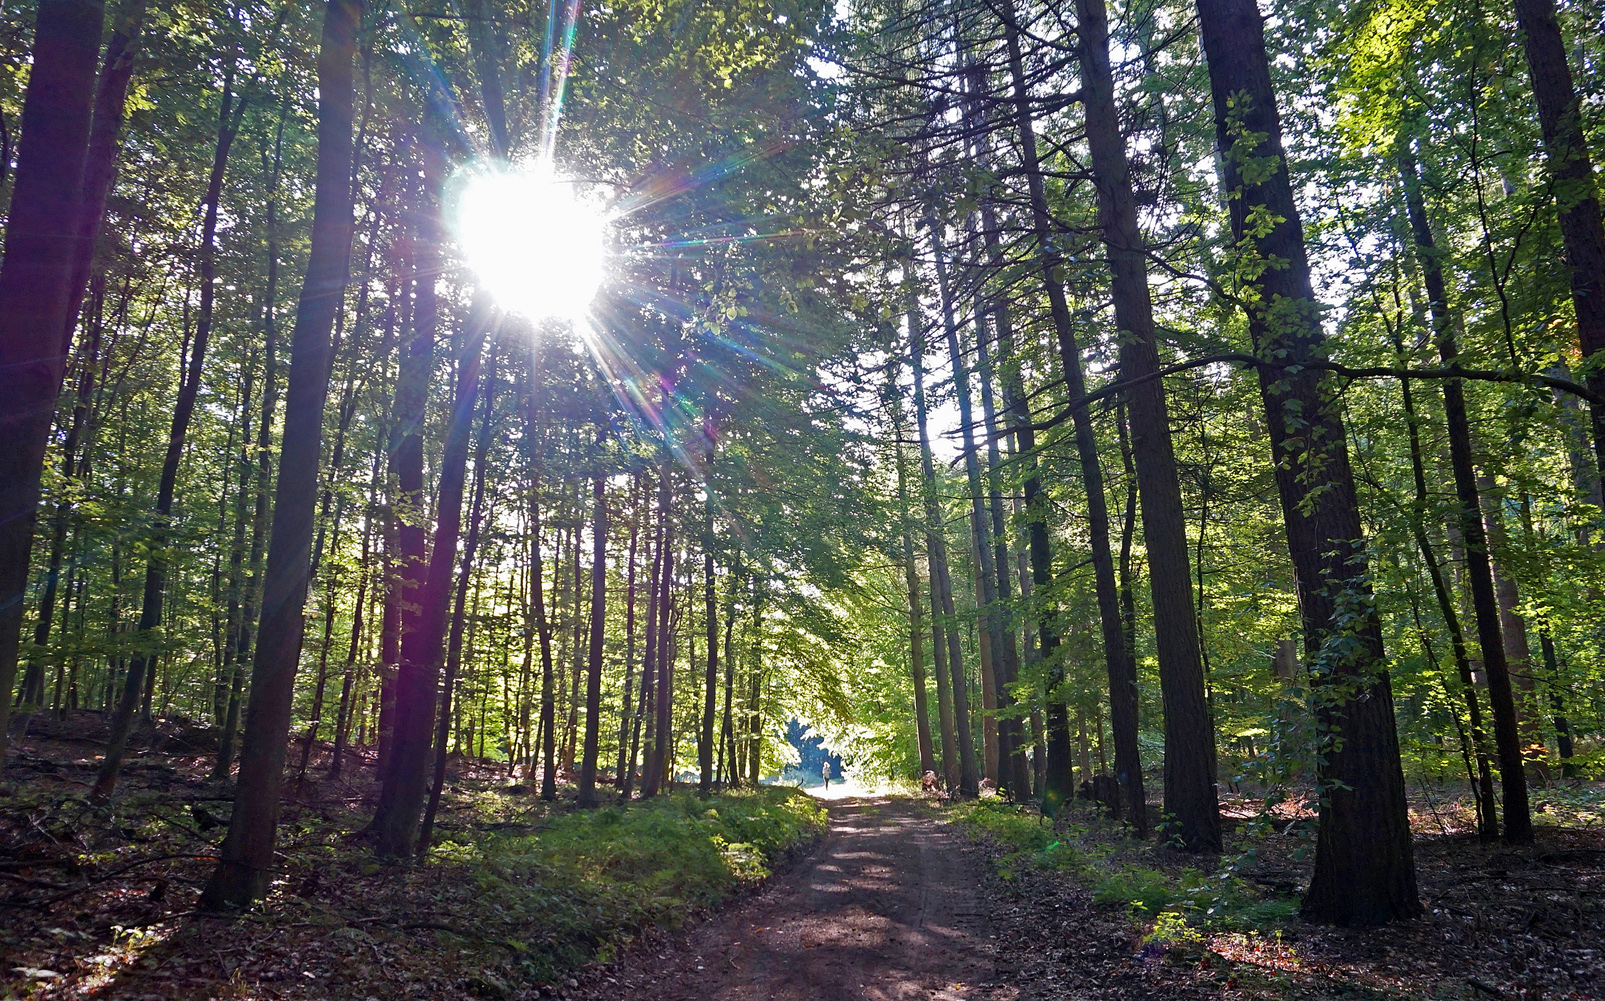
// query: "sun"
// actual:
[[536, 247]]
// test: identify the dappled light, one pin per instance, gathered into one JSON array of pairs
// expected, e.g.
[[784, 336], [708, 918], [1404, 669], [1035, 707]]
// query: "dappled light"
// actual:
[[734, 500]]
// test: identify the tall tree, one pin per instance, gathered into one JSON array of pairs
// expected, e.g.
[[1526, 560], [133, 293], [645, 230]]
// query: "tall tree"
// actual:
[[141, 671], [1560, 115], [42, 242], [1189, 731], [247, 854], [1364, 867]]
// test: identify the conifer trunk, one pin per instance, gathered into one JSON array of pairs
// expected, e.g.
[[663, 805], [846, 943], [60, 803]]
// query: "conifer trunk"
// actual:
[[954, 737], [1122, 680], [1189, 731], [916, 628]]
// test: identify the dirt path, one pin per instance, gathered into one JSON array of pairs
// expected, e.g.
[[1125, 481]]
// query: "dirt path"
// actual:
[[889, 906]]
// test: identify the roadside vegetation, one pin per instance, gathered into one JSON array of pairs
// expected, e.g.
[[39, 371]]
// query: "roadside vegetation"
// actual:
[[514, 893]]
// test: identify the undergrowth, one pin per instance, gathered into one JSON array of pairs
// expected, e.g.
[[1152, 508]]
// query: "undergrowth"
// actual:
[[1121, 874], [590, 880], [514, 890]]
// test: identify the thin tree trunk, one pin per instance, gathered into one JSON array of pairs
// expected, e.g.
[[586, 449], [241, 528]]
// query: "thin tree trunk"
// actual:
[[710, 607], [1122, 682], [661, 758], [936, 557], [994, 676], [246, 865], [141, 671], [1478, 563], [1014, 767], [646, 715], [593, 679], [454, 643], [1483, 786], [625, 714], [916, 628]]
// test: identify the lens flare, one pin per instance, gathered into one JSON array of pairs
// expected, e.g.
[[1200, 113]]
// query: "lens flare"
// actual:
[[533, 243]]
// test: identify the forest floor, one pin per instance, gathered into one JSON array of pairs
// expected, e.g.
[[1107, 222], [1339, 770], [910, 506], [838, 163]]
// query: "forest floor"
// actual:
[[515, 896], [894, 899], [906, 899]]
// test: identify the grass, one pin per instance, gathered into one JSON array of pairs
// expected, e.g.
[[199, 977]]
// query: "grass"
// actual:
[[1115, 872], [515, 891], [588, 881]]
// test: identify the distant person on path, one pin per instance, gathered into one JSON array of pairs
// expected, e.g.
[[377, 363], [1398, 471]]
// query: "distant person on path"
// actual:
[[825, 771]]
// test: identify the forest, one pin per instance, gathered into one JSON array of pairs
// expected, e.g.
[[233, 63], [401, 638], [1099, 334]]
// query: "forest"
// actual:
[[499, 444]]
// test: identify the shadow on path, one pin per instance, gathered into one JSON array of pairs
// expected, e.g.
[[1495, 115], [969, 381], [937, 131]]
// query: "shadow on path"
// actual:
[[889, 906]]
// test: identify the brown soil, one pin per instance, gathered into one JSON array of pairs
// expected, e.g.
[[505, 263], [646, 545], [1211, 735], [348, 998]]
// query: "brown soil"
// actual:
[[891, 905]]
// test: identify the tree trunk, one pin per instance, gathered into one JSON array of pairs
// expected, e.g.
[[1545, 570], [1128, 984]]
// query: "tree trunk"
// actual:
[[246, 865], [401, 800], [936, 556], [41, 242], [100, 168], [1478, 563], [1483, 787], [593, 679], [454, 643], [1122, 682], [710, 614], [916, 628], [141, 670], [661, 758], [646, 715], [1364, 868], [994, 674], [625, 714], [1560, 115], [1189, 731]]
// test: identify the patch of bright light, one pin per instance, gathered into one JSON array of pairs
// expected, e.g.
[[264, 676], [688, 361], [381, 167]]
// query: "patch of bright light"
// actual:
[[536, 246]]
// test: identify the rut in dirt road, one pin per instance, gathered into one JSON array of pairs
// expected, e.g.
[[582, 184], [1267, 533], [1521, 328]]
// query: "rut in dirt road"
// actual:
[[887, 907]]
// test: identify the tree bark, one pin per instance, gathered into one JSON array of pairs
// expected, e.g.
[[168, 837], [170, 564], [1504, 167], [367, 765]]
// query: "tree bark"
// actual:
[[1122, 681], [1560, 115], [660, 758], [42, 241], [140, 672], [1189, 731], [454, 642], [916, 628], [995, 675], [401, 800], [247, 854], [625, 714], [1468, 515], [593, 679], [957, 747], [710, 614], [1364, 868]]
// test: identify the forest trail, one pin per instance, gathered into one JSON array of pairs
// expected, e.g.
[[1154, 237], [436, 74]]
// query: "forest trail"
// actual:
[[888, 906]]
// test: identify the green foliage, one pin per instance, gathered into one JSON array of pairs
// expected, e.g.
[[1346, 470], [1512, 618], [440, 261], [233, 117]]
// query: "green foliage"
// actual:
[[585, 882], [1121, 874]]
